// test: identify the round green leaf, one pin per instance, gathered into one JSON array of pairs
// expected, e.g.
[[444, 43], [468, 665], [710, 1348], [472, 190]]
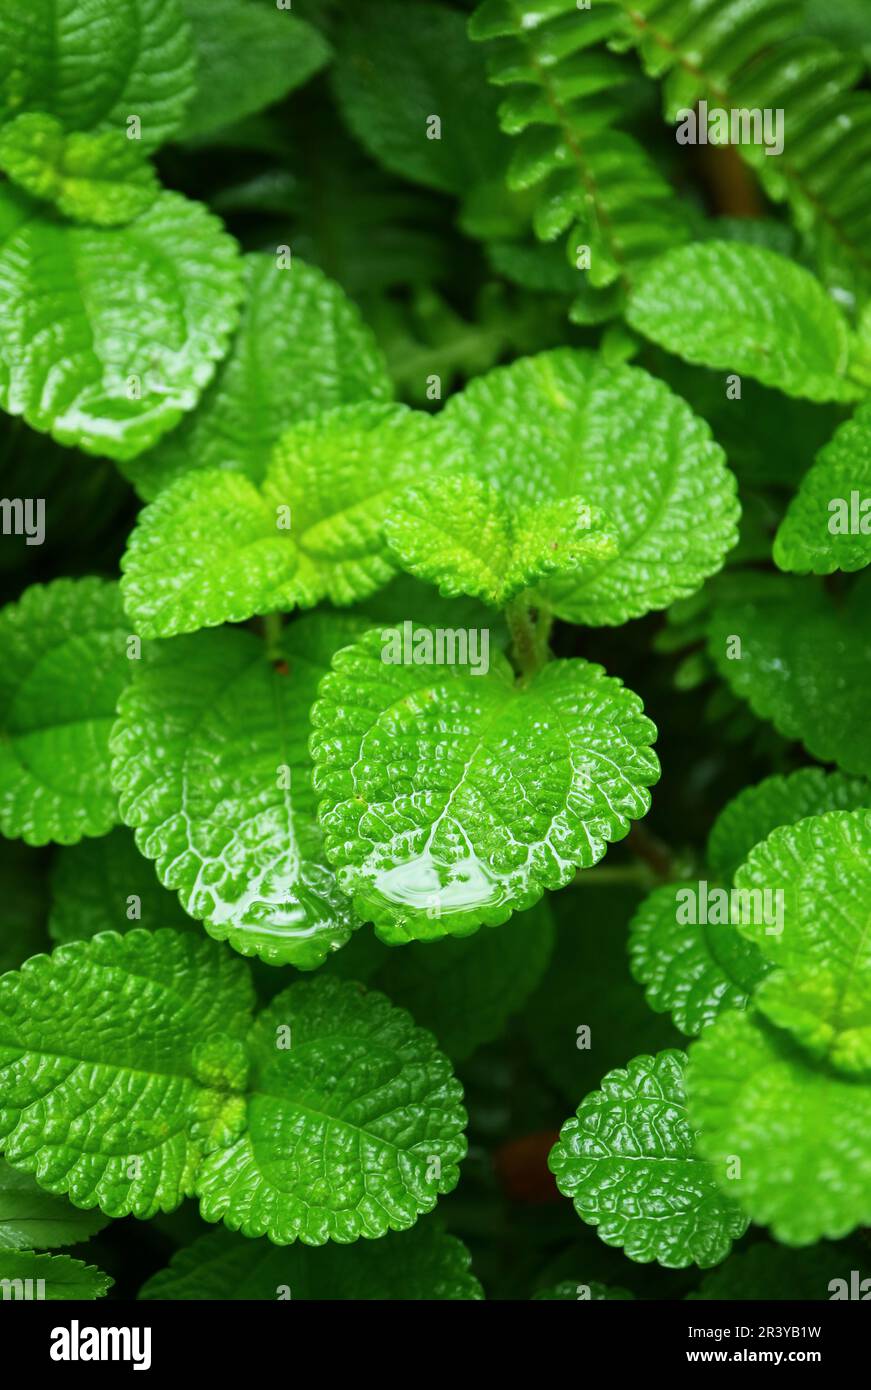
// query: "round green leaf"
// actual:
[[565, 424], [110, 1080], [453, 797], [301, 348], [424, 1263], [64, 667], [100, 178], [141, 314], [629, 1163], [212, 769], [801, 1133], [828, 524], [354, 1122]]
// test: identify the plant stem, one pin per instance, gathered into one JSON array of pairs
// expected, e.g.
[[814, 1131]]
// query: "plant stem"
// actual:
[[621, 873], [650, 850], [528, 641], [272, 627]]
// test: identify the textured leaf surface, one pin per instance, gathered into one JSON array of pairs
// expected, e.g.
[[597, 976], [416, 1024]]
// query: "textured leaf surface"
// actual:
[[140, 316], [100, 178], [691, 970], [247, 56], [828, 524], [118, 1062], [451, 799], [463, 990], [31, 1219], [64, 1278], [434, 71], [772, 1272], [214, 548], [821, 992], [754, 1095], [461, 534], [93, 63], [353, 1130], [746, 309], [804, 664], [564, 424], [752, 815], [628, 1162], [107, 885], [206, 742], [424, 1263], [64, 667], [300, 349]]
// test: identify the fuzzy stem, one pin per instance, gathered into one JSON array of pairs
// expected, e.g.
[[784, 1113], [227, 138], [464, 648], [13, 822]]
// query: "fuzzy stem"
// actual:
[[527, 649]]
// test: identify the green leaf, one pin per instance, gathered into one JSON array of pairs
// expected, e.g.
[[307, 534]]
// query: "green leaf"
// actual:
[[629, 1163], [460, 533], [803, 663], [691, 970], [462, 990], [802, 1133], [213, 773], [821, 992], [569, 1291], [64, 667], [107, 885], [213, 547], [424, 1263], [247, 57], [93, 68], [100, 178], [748, 310], [588, 987], [751, 816], [565, 424], [434, 71], [63, 1277], [354, 1129], [172, 276], [300, 349], [31, 1219], [828, 524], [109, 1066], [771, 1272], [452, 797]]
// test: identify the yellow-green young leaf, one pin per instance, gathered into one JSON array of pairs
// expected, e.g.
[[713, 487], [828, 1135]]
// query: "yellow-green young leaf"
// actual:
[[565, 424], [751, 816], [806, 894], [214, 547], [171, 279], [354, 1122], [90, 177], [121, 1063], [248, 56], [690, 969], [828, 524], [212, 769], [801, 661], [106, 64], [461, 534], [747, 310], [787, 1138], [300, 349], [628, 1160], [32, 1219], [451, 796], [107, 885], [64, 666], [30, 1276], [425, 1263]]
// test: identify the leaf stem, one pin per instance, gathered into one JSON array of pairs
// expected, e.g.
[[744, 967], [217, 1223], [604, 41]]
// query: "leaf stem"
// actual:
[[529, 647], [650, 850], [272, 624]]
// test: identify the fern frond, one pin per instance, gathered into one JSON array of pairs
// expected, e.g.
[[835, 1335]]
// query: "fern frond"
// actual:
[[751, 54], [593, 183]]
